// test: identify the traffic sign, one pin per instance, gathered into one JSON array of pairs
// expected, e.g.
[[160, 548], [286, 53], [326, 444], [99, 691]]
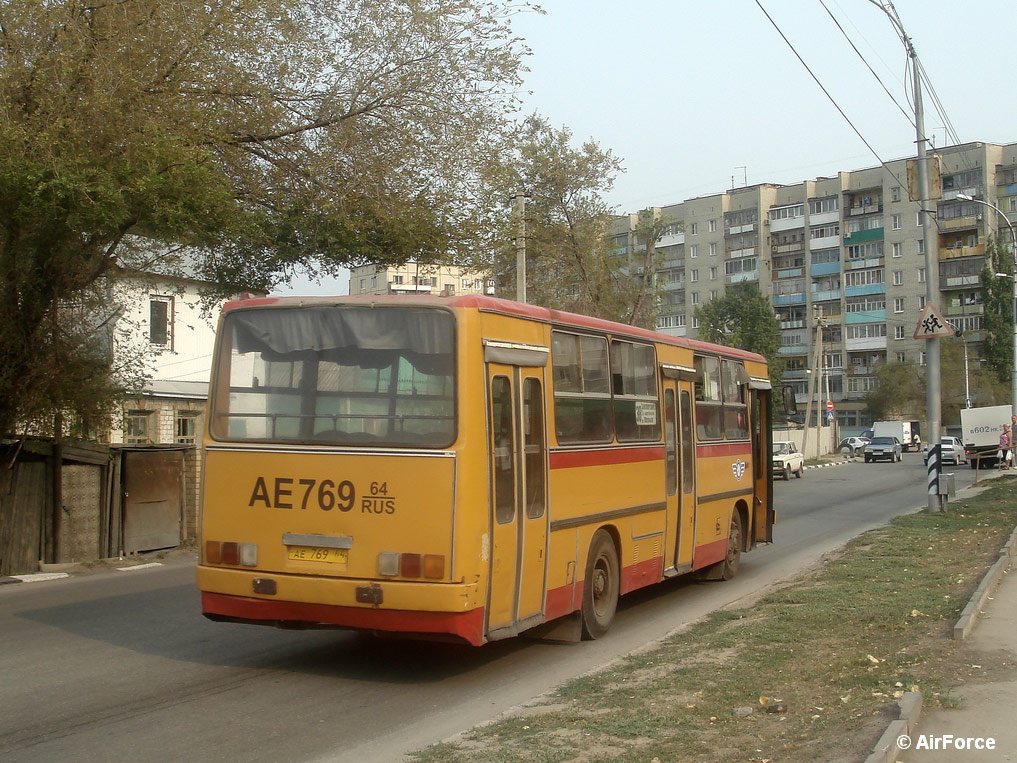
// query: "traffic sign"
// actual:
[[931, 324], [829, 405]]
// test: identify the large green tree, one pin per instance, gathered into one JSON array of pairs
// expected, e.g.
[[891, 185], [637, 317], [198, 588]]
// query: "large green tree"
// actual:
[[997, 297], [569, 260], [743, 317], [262, 134]]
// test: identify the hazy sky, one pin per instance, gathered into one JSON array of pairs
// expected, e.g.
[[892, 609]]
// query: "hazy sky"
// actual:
[[695, 97]]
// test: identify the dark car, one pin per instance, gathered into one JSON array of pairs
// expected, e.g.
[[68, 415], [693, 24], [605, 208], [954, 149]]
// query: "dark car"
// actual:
[[888, 448]]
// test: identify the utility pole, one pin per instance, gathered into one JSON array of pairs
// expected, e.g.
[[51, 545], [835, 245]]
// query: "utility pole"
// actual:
[[813, 391], [520, 199], [933, 391]]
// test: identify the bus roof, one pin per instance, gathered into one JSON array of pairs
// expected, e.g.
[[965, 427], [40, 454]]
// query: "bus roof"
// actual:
[[504, 306]]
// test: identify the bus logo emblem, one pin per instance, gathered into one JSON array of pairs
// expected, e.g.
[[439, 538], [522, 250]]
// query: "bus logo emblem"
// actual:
[[738, 467]]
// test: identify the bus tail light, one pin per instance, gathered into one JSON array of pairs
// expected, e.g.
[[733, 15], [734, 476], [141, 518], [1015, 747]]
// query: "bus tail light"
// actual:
[[232, 553], [393, 564]]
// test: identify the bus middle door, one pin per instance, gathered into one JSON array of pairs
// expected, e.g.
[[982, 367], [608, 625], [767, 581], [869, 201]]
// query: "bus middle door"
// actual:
[[518, 478]]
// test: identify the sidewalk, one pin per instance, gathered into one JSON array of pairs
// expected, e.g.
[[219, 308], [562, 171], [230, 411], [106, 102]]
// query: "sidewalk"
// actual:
[[987, 705]]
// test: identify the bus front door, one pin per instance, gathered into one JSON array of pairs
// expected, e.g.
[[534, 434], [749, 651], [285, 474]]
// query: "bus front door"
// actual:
[[518, 478]]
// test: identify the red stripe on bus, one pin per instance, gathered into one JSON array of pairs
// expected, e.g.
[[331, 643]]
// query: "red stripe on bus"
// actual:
[[468, 626], [709, 553], [725, 449], [608, 456]]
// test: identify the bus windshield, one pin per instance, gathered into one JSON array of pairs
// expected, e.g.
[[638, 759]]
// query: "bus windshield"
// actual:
[[346, 375]]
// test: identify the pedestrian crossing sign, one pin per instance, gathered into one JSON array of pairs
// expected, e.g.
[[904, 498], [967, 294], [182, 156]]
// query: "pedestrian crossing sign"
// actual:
[[931, 324]]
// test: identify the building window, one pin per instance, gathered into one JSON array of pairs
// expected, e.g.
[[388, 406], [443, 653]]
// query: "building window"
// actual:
[[695, 321], [898, 305], [713, 226], [901, 357], [895, 222], [713, 274], [898, 332], [921, 275], [694, 249], [898, 278], [695, 298], [921, 246], [363, 284], [695, 228], [921, 303], [397, 280], [160, 321], [897, 249], [187, 428], [136, 428], [694, 275], [713, 249], [918, 219], [895, 194]]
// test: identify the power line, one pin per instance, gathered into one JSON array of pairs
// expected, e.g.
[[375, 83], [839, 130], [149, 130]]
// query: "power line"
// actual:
[[827, 93]]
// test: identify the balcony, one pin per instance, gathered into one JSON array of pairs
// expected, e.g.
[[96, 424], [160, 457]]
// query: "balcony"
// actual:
[[860, 237], [794, 349], [825, 296], [748, 251], [824, 242], [789, 299], [873, 207], [672, 285], [748, 275], [976, 308], [734, 230], [868, 262], [865, 343], [866, 316], [795, 247], [825, 218], [864, 291], [824, 269], [673, 239], [788, 273], [948, 253], [960, 223]]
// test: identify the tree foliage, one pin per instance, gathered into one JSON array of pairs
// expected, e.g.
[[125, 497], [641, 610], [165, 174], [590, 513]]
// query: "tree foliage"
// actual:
[[743, 317], [997, 297], [568, 248], [263, 134]]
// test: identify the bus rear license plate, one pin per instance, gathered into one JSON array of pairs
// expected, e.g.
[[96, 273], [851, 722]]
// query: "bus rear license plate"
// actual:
[[313, 554]]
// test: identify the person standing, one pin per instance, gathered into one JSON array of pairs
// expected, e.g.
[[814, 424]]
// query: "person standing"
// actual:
[[1004, 447], [1013, 429]]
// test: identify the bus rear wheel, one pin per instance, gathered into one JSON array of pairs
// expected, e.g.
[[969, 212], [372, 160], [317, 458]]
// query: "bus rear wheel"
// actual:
[[600, 589]]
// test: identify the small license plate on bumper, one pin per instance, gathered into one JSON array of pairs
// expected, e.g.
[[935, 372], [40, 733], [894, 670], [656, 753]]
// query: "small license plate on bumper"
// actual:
[[314, 554]]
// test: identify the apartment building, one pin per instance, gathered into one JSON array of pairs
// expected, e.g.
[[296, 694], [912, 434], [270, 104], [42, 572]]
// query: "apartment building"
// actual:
[[418, 278], [848, 250]]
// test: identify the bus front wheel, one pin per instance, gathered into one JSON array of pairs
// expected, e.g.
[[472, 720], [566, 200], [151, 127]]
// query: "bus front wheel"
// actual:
[[600, 589]]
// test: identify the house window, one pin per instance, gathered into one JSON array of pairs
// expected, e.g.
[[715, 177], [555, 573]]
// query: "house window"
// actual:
[[695, 229], [918, 220], [695, 298], [921, 246], [898, 278], [694, 249], [921, 275], [713, 249], [895, 194], [898, 305], [713, 274], [694, 276], [897, 249], [898, 332], [187, 428], [160, 320], [695, 321], [895, 222], [136, 428], [713, 228], [901, 357]]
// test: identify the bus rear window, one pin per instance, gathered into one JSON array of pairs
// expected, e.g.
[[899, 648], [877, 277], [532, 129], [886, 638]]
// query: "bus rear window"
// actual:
[[343, 375]]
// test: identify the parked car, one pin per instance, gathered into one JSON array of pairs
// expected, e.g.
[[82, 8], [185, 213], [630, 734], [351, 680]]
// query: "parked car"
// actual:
[[853, 445], [867, 434], [787, 460], [882, 447], [952, 450]]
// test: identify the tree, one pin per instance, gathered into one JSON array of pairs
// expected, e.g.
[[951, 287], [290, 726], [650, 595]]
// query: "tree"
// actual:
[[568, 247], [899, 392], [743, 317], [997, 297], [263, 134]]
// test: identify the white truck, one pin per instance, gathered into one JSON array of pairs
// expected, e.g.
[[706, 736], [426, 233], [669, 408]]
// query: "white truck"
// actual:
[[908, 432], [980, 430]]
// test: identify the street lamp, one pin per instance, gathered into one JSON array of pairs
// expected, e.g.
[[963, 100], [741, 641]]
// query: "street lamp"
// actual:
[[1013, 284]]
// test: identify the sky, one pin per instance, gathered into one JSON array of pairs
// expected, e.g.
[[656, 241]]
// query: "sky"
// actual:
[[695, 98]]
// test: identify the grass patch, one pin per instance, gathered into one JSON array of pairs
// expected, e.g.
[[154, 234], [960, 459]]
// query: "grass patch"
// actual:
[[809, 672]]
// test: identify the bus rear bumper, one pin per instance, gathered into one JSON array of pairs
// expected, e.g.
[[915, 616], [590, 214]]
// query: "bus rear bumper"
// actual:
[[225, 597]]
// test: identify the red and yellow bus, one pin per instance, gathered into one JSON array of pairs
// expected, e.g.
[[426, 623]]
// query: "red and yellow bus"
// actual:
[[469, 467]]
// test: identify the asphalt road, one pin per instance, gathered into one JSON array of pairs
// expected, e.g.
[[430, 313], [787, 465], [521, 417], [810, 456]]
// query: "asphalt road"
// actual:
[[118, 666]]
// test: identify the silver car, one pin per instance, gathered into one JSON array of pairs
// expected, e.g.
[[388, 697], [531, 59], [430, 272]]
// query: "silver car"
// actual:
[[951, 448], [888, 448]]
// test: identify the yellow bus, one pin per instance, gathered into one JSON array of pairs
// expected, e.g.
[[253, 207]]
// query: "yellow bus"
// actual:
[[469, 467]]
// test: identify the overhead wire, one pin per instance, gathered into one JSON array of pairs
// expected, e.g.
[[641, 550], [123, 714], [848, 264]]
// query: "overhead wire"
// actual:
[[828, 94]]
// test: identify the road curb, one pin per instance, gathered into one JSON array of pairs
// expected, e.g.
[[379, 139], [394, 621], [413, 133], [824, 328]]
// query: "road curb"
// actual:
[[909, 707], [970, 614]]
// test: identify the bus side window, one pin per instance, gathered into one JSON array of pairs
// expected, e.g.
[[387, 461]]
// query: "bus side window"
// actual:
[[503, 450]]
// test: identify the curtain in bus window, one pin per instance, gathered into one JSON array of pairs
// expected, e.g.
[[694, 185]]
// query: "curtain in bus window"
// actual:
[[339, 374]]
